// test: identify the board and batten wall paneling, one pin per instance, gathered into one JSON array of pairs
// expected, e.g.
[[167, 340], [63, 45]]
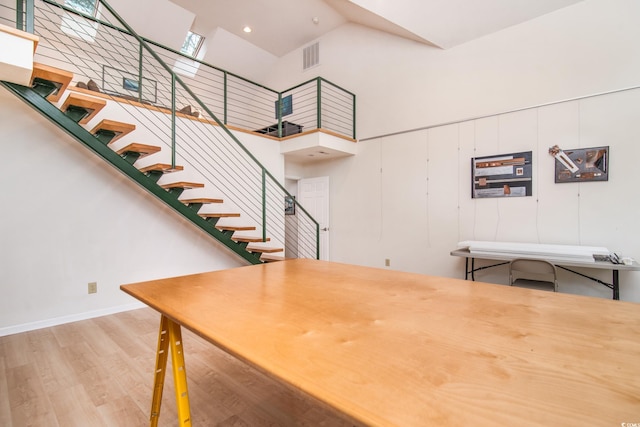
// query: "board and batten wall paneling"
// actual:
[[380, 195]]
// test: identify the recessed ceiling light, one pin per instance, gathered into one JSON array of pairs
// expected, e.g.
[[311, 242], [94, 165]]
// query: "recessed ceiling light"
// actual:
[[247, 29]]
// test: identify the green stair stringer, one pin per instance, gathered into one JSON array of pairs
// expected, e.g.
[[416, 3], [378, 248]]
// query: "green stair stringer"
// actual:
[[61, 120]]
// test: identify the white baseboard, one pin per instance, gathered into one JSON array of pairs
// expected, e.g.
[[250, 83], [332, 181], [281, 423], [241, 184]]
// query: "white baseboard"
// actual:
[[25, 327]]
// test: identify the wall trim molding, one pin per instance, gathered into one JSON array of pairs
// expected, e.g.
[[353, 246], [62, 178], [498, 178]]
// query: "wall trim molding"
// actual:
[[453, 122], [40, 324]]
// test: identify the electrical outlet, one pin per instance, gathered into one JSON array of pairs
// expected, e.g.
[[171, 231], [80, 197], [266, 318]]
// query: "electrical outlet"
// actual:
[[387, 262], [93, 287]]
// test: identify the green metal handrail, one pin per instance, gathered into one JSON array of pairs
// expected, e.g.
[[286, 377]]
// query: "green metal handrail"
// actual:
[[319, 101]]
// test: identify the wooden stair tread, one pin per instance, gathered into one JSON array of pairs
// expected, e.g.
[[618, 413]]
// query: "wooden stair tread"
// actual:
[[52, 74], [235, 227], [219, 215], [15, 32], [161, 167], [249, 239], [182, 184], [143, 149], [264, 249], [201, 200], [119, 128], [86, 102]]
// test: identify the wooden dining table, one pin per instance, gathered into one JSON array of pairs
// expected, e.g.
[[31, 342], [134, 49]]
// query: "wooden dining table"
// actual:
[[390, 348]]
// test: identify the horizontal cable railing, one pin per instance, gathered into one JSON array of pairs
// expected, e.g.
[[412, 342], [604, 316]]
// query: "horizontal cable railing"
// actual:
[[244, 104], [158, 91], [303, 102], [248, 106], [10, 16], [338, 108], [320, 104]]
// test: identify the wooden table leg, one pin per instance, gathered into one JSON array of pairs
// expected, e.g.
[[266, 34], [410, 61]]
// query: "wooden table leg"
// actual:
[[170, 335]]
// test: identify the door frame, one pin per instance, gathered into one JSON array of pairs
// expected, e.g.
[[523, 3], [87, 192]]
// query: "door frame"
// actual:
[[324, 227]]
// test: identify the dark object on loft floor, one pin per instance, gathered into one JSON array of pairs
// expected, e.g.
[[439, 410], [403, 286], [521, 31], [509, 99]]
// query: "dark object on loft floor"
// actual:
[[91, 85], [189, 111], [288, 128]]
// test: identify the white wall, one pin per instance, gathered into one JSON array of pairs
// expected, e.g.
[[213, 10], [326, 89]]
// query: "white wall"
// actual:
[[68, 219], [586, 48], [159, 20], [167, 23], [232, 53], [407, 197]]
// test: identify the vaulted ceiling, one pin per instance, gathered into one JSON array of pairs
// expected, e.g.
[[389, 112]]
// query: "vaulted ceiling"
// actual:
[[280, 26]]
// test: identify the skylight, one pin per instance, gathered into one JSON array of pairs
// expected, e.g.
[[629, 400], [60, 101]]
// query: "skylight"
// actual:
[[88, 7], [192, 44]]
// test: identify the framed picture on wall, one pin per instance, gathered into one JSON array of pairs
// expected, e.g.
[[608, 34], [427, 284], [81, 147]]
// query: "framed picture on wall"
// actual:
[[286, 107], [289, 205], [504, 175], [123, 83], [589, 164]]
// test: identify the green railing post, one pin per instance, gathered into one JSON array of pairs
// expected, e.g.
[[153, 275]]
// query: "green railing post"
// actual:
[[30, 17], [140, 73], [173, 120], [264, 205], [25, 15], [354, 117], [19, 14], [319, 102], [279, 112], [225, 98], [317, 240]]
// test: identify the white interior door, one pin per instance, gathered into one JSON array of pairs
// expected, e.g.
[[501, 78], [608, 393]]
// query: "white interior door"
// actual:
[[313, 195]]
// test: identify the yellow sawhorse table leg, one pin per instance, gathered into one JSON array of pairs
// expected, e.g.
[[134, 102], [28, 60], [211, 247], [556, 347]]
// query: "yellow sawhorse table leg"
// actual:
[[170, 335]]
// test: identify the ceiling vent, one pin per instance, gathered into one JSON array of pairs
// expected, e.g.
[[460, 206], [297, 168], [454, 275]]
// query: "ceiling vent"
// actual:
[[311, 56]]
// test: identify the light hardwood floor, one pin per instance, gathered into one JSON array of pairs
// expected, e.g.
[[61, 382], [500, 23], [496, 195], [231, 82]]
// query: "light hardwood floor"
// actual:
[[99, 372]]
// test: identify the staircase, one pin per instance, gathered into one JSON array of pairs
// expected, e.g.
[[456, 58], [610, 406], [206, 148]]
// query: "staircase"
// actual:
[[75, 109], [117, 94]]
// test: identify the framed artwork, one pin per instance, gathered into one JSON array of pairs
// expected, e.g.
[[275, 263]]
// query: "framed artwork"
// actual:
[[504, 175], [289, 205], [582, 165], [286, 107], [123, 83], [130, 84]]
